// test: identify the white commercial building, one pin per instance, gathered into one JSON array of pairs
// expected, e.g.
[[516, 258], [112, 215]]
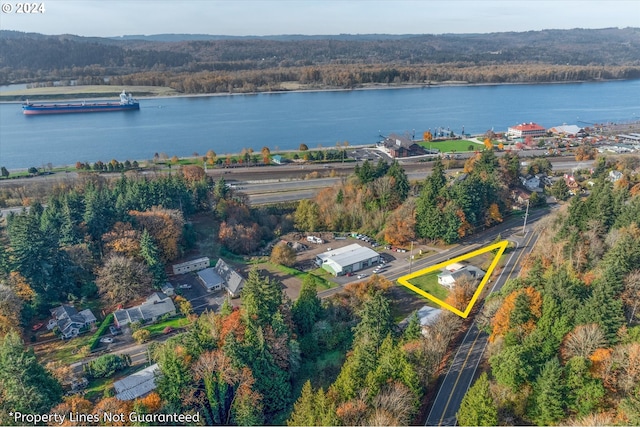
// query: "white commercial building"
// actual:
[[347, 259], [526, 129], [193, 265]]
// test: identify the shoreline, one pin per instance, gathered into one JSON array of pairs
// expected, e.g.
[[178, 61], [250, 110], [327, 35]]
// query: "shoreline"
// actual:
[[374, 86]]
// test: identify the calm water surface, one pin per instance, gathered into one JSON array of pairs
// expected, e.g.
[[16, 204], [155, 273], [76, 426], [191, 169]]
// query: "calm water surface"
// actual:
[[227, 124]]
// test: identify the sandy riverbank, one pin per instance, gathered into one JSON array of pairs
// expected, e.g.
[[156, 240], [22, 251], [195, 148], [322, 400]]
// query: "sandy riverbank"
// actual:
[[69, 93]]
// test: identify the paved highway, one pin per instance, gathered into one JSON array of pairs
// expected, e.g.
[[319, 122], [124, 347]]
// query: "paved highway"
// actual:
[[466, 360], [285, 190]]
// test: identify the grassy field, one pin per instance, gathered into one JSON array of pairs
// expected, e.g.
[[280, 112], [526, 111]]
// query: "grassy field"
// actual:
[[322, 276], [429, 283], [457, 145]]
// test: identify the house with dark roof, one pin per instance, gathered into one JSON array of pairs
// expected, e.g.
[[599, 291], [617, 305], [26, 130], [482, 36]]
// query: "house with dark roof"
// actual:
[[401, 146], [69, 321], [156, 306], [233, 281]]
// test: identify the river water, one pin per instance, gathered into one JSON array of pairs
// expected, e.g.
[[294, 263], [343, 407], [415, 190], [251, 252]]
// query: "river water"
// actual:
[[227, 124]]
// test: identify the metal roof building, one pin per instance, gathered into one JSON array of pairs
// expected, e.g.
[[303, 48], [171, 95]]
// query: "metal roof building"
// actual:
[[137, 384], [210, 279], [347, 259]]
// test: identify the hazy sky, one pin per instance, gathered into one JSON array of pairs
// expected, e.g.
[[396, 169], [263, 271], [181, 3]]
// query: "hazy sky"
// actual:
[[267, 17]]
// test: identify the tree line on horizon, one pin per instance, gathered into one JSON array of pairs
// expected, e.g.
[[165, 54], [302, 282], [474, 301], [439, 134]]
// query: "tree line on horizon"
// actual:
[[565, 55]]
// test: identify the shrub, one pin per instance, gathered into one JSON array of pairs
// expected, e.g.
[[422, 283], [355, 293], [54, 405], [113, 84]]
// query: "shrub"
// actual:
[[107, 365], [95, 339], [141, 335]]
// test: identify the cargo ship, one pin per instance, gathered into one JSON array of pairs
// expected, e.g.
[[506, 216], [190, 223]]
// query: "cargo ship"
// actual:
[[127, 103]]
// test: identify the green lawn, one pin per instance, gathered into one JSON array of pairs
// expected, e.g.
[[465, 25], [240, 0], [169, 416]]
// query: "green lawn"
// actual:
[[429, 283], [158, 328], [457, 145], [322, 276]]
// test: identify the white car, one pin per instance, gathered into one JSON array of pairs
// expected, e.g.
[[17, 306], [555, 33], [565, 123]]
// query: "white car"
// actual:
[[185, 286], [361, 276], [106, 340]]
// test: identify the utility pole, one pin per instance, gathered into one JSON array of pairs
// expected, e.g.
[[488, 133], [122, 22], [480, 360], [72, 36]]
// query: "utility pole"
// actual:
[[526, 214], [411, 257]]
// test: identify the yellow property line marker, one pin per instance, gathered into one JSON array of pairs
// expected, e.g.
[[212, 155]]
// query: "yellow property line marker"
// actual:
[[404, 280]]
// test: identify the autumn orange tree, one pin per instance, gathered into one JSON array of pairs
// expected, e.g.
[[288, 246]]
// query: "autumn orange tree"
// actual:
[[519, 311], [165, 227]]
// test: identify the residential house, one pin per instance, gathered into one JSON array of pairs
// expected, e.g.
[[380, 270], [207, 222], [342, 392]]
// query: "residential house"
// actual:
[[233, 281], [571, 182], [138, 384], [449, 278], [615, 176], [156, 306], [69, 321]]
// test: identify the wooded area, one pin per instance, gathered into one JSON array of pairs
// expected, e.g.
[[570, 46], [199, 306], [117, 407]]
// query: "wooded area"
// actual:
[[565, 336], [264, 64]]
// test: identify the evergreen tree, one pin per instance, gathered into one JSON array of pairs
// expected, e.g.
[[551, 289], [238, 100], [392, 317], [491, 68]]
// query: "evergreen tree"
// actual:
[[478, 407], [261, 298], [375, 321], [303, 413], [365, 173], [560, 190], [307, 308], [25, 386], [149, 252], [401, 184], [413, 331], [547, 405], [585, 393]]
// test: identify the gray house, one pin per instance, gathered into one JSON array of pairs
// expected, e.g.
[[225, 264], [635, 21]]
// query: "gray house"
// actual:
[[69, 321], [233, 281], [156, 306]]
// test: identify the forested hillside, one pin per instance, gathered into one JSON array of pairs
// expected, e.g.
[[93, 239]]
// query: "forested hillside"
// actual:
[[257, 64], [565, 337]]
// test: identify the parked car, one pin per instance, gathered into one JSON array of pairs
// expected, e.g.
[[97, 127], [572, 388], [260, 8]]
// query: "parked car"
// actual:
[[361, 276], [106, 340], [114, 330], [37, 326], [185, 286]]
